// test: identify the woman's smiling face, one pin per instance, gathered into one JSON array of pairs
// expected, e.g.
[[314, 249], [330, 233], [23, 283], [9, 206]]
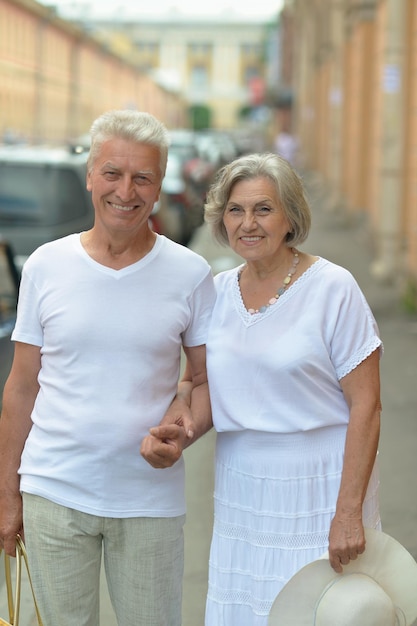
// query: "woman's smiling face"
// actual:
[[254, 220]]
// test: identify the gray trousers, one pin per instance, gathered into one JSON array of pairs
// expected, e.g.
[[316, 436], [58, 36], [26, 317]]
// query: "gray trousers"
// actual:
[[143, 560]]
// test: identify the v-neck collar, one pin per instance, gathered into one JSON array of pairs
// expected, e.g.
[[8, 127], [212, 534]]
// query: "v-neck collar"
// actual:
[[248, 318]]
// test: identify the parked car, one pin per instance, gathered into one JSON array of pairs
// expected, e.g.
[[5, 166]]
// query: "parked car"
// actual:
[[181, 206], [9, 284], [43, 196], [183, 143], [197, 168], [216, 146]]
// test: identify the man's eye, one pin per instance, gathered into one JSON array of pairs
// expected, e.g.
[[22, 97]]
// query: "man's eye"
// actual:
[[143, 180]]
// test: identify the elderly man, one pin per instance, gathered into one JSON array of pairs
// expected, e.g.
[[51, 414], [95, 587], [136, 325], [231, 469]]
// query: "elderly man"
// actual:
[[102, 318]]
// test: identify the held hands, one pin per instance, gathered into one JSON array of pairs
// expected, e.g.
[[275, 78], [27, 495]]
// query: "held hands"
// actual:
[[346, 541], [165, 443]]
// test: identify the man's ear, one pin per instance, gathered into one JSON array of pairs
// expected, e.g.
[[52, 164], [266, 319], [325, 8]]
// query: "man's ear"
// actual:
[[88, 180]]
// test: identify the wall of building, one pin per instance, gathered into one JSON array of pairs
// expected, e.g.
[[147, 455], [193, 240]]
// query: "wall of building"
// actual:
[[55, 78], [210, 62], [355, 86]]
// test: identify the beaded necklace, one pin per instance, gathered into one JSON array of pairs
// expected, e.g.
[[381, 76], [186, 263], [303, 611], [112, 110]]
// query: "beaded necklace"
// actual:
[[281, 290]]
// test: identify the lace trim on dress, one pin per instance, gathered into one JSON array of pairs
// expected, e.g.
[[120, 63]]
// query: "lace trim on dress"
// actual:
[[291, 289], [357, 359], [237, 596], [282, 541]]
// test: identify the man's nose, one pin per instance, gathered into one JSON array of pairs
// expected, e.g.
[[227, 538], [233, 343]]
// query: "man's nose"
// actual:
[[125, 188]]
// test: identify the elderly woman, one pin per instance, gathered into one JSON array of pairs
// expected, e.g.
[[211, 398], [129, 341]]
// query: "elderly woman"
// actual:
[[293, 369]]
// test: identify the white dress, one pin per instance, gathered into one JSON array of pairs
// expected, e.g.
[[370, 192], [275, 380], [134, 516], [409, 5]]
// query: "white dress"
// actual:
[[281, 420]]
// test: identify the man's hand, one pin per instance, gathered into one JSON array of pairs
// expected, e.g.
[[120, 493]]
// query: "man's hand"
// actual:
[[164, 445], [187, 418], [11, 522]]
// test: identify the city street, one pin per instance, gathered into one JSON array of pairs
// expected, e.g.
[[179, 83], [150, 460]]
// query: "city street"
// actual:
[[346, 243]]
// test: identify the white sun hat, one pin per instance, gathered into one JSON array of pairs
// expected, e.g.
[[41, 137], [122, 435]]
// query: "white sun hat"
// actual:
[[379, 588]]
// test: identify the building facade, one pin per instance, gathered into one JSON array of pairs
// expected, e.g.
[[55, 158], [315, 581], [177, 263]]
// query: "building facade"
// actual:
[[55, 78], [355, 90], [218, 64]]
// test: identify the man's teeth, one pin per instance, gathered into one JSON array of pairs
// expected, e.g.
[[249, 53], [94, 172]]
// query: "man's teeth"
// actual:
[[122, 208]]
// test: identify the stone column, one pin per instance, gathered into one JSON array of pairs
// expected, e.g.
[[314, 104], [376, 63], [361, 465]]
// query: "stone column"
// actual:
[[390, 177]]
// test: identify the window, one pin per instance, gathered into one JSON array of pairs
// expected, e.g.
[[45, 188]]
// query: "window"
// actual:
[[39, 195], [199, 77]]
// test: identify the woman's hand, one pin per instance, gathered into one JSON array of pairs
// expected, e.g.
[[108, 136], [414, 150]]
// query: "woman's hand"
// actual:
[[187, 418], [361, 388], [346, 541]]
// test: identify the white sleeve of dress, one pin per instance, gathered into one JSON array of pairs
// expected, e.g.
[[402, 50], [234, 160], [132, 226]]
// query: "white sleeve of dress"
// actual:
[[351, 327]]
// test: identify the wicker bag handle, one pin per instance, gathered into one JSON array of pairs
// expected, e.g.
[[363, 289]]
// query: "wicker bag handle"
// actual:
[[13, 599]]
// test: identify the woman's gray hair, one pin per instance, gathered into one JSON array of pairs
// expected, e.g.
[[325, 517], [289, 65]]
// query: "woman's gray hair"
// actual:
[[289, 187], [129, 125]]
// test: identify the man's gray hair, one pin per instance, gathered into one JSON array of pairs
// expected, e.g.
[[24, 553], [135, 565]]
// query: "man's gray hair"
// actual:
[[129, 125]]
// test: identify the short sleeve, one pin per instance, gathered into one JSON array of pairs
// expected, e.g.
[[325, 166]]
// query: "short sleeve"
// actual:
[[202, 302], [28, 327], [352, 330]]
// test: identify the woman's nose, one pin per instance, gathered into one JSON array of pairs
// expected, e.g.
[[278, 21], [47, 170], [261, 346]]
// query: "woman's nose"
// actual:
[[248, 221]]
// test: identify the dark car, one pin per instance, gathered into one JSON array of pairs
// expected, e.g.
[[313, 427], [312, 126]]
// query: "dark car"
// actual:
[[9, 284], [184, 187], [181, 207], [43, 196]]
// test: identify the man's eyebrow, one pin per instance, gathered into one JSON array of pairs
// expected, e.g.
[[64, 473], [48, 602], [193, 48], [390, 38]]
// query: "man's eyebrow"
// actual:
[[117, 168], [109, 164]]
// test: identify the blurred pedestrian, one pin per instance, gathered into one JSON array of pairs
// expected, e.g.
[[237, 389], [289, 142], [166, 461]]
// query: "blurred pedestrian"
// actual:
[[287, 146], [293, 367], [102, 318]]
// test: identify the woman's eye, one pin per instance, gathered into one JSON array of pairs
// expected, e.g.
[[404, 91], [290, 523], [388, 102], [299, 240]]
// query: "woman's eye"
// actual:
[[263, 209]]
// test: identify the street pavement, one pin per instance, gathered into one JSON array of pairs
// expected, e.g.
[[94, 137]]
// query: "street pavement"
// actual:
[[345, 241]]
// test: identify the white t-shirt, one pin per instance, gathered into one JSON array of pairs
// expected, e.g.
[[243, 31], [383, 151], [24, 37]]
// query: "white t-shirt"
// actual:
[[279, 371], [110, 345]]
